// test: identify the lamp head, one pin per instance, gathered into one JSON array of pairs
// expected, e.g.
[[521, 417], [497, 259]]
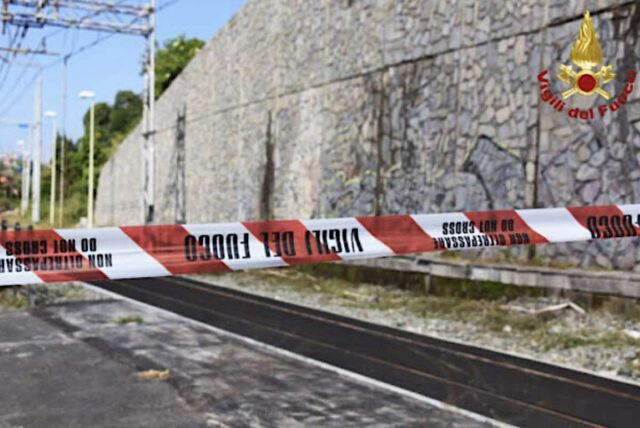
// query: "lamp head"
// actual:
[[86, 95]]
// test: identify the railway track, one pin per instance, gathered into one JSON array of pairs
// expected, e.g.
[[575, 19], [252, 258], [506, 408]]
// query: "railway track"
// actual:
[[507, 388]]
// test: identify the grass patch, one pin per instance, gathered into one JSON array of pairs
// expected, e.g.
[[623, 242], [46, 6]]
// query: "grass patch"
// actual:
[[12, 299], [434, 285], [497, 319], [129, 319], [485, 290], [358, 274], [351, 295], [612, 339], [482, 309]]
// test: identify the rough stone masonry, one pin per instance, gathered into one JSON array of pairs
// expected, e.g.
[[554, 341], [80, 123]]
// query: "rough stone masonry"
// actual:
[[300, 109]]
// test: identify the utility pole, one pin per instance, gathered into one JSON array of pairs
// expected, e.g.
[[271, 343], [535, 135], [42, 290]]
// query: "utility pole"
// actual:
[[52, 196], [149, 117], [37, 152]]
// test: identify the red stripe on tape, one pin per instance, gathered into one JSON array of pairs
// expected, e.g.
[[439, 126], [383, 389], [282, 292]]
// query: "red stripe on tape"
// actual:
[[47, 254], [167, 244], [291, 241], [37, 250], [399, 232], [507, 225]]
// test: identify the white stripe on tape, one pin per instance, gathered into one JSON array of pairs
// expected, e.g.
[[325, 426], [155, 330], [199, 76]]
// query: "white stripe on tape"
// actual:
[[246, 242], [343, 236], [12, 273], [128, 260], [555, 224], [145, 251]]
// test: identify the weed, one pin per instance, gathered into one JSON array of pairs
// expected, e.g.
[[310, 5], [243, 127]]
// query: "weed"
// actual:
[[496, 319], [129, 319], [11, 299], [610, 339]]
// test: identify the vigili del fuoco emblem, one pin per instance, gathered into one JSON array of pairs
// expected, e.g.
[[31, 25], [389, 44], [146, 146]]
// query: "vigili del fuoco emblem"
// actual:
[[586, 76], [586, 54]]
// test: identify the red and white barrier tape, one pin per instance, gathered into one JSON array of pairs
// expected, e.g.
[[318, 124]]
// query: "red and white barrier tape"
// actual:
[[144, 251]]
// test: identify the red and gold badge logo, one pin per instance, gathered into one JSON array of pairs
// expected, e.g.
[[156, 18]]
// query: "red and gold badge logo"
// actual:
[[586, 79], [586, 54]]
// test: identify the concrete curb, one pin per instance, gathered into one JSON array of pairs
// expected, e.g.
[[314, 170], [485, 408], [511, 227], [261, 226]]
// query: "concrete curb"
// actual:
[[614, 283]]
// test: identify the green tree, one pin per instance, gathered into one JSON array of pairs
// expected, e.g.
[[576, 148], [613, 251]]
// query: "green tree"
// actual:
[[126, 112], [172, 58], [112, 124]]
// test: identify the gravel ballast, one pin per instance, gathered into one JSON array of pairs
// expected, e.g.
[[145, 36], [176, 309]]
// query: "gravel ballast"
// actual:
[[598, 341]]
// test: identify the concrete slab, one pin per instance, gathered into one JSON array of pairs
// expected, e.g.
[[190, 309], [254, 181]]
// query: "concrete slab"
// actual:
[[73, 365], [50, 379]]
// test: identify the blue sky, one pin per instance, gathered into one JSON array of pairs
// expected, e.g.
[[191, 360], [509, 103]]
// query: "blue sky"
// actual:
[[105, 69]]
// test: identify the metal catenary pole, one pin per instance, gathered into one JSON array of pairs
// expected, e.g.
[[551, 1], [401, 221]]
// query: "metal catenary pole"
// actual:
[[144, 150], [149, 155], [91, 148], [37, 153]]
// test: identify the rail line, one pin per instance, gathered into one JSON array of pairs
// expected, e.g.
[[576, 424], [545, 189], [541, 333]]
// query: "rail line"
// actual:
[[515, 390]]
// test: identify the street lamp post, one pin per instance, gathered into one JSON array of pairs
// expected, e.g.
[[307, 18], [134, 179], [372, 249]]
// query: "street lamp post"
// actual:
[[88, 95], [52, 200], [24, 192]]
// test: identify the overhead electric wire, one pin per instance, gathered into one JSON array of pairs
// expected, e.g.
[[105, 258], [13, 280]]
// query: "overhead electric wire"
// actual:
[[74, 52], [4, 108], [21, 93], [109, 7], [99, 40], [6, 61], [6, 66], [167, 4]]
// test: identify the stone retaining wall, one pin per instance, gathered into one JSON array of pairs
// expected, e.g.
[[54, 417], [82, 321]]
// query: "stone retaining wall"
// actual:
[[299, 109]]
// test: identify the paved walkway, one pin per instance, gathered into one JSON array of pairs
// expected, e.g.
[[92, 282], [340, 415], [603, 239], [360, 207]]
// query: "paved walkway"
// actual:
[[73, 365]]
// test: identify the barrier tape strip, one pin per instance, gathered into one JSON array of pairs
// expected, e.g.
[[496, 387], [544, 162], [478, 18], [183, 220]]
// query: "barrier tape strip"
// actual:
[[146, 251]]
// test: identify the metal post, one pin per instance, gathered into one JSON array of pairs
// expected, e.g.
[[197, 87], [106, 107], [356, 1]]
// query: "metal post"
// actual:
[[149, 157], [37, 149], [62, 142], [52, 197], [144, 149], [91, 144]]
